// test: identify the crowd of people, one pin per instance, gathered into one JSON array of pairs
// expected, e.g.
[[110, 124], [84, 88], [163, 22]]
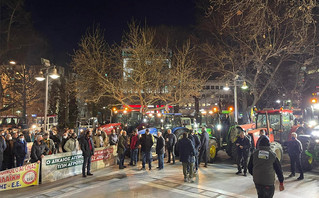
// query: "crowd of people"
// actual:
[[192, 149]]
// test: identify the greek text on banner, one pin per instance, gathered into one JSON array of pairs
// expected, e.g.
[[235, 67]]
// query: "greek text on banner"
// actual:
[[20, 177]]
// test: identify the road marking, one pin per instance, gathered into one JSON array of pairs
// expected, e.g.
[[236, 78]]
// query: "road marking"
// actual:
[[187, 193], [215, 190]]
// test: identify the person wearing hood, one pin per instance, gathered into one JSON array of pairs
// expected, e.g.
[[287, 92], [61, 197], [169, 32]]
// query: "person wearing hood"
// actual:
[[20, 150], [263, 165]]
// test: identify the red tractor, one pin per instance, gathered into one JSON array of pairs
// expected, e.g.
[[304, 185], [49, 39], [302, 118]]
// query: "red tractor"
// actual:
[[278, 124]]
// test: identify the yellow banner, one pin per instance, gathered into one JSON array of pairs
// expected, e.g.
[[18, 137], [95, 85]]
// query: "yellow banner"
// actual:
[[20, 177]]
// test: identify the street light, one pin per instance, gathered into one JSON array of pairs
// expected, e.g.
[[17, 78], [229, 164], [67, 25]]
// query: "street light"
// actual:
[[226, 88], [278, 101], [41, 77]]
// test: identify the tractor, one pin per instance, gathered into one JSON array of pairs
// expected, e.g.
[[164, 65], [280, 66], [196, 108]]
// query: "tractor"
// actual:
[[310, 144]]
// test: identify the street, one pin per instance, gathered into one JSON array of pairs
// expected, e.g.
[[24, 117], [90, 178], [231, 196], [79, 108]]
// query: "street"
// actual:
[[218, 180]]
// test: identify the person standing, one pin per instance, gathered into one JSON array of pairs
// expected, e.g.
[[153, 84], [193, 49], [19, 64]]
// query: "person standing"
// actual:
[[262, 134], [87, 147], [263, 165], [121, 148], [294, 151], [243, 145], [170, 142], [146, 143], [160, 150], [56, 139], [113, 138], [204, 139], [50, 143], [38, 150], [72, 144], [3, 147], [20, 150], [197, 146], [98, 140], [8, 156], [65, 138], [186, 156], [134, 148]]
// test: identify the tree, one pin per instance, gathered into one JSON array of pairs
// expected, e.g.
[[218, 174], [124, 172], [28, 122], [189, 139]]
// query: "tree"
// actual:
[[254, 39], [135, 72]]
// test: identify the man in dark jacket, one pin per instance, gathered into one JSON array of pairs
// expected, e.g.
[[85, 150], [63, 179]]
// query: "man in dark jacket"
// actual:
[[170, 144], [87, 147], [294, 151], [134, 147], [197, 146], [204, 149], [263, 165], [20, 150], [8, 156], [262, 134], [65, 138], [146, 143], [160, 150], [38, 150], [3, 147], [243, 146], [186, 156], [121, 148]]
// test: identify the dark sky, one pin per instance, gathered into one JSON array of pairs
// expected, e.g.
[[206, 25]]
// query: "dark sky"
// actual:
[[63, 22]]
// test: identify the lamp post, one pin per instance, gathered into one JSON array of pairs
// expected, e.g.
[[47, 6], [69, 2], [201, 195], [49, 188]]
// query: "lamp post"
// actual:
[[226, 88], [41, 77]]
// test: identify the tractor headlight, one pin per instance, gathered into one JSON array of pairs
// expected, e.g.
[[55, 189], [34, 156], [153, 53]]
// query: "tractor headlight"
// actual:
[[218, 127], [315, 133], [312, 123]]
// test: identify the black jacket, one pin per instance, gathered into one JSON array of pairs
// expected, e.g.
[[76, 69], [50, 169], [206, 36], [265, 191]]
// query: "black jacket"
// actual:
[[294, 147], [20, 149], [37, 150], [245, 142], [196, 142], [8, 153], [186, 150], [204, 139], [146, 142], [85, 147], [171, 140], [160, 146]]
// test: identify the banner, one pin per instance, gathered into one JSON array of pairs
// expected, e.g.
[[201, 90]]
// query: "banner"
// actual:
[[63, 165], [20, 177]]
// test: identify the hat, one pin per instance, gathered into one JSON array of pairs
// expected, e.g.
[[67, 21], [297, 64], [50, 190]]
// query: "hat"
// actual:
[[264, 141]]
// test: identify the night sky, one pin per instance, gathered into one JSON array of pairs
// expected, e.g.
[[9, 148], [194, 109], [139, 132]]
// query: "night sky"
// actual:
[[63, 22]]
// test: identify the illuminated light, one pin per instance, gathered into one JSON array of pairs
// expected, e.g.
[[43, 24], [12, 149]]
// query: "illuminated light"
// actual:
[[12, 62], [114, 109], [226, 88], [215, 109], [210, 112], [144, 120], [204, 112], [159, 115], [150, 115], [115, 112], [315, 133], [218, 127], [104, 107], [278, 101], [244, 85], [54, 74], [162, 120], [124, 111], [312, 123], [40, 77], [316, 106], [230, 108], [34, 126], [314, 100]]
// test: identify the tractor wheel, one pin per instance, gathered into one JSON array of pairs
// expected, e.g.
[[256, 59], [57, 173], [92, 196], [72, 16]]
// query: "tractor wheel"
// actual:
[[306, 160], [277, 148], [212, 151]]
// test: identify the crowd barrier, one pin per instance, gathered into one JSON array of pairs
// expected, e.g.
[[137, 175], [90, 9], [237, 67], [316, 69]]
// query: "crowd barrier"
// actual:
[[55, 167]]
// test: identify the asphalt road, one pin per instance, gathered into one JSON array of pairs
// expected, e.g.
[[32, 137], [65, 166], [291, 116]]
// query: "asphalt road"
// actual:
[[218, 180]]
